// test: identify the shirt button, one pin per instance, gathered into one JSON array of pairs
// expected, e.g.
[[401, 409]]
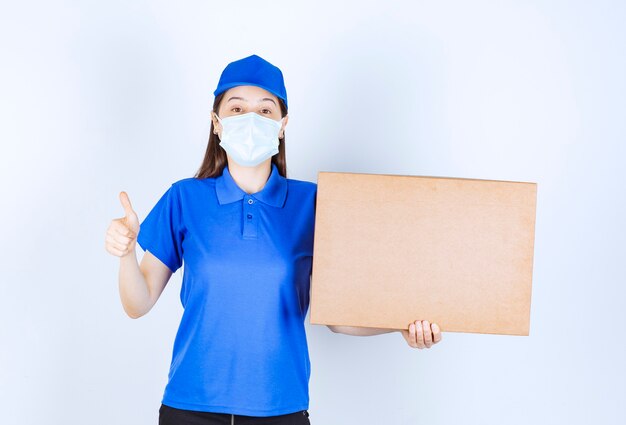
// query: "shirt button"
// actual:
[[250, 201], [249, 215]]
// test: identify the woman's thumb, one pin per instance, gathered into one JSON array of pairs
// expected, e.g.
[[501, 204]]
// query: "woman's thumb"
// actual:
[[128, 209]]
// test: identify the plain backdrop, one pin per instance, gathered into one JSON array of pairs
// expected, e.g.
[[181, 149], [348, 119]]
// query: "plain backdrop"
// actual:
[[97, 97]]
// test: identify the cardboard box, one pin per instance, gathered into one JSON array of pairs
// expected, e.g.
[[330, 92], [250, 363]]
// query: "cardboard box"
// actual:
[[391, 249]]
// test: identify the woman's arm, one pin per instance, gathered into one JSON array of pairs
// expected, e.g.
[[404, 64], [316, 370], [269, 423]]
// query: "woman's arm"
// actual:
[[141, 286], [420, 334], [359, 331]]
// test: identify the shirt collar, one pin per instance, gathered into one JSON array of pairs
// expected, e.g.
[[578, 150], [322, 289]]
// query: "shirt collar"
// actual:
[[273, 193]]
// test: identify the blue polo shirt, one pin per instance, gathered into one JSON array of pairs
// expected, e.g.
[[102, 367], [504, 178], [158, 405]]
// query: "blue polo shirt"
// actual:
[[241, 346]]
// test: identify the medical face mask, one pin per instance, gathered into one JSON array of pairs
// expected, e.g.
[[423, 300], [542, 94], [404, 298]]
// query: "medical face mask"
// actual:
[[249, 138]]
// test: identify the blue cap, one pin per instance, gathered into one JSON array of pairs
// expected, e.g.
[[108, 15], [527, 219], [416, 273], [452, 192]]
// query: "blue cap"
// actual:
[[253, 71]]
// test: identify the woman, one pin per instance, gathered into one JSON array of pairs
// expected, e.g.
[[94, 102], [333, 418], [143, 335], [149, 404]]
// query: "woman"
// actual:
[[246, 234]]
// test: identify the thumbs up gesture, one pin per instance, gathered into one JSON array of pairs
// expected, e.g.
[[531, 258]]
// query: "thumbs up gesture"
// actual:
[[121, 235]]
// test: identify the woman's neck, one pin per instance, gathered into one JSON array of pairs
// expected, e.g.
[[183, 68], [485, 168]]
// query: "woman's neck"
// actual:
[[250, 179]]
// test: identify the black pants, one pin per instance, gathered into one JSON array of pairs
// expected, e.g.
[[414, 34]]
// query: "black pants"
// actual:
[[173, 416]]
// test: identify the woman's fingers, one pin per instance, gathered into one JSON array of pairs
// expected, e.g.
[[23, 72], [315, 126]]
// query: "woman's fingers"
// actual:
[[412, 341], [422, 334], [112, 242], [428, 335], [419, 333], [436, 333], [116, 252], [121, 236], [130, 219], [125, 200]]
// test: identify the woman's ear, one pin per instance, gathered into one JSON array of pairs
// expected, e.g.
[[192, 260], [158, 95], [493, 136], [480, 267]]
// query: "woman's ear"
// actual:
[[281, 133], [217, 127]]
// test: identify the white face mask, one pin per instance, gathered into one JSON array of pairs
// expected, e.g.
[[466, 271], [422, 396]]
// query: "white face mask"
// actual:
[[249, 138]]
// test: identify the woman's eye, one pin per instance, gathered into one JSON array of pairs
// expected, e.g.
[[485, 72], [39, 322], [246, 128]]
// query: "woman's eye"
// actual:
[[266, 111], [236, 109]]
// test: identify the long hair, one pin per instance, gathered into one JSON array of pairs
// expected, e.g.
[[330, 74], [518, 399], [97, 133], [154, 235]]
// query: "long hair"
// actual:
[[215, 156]]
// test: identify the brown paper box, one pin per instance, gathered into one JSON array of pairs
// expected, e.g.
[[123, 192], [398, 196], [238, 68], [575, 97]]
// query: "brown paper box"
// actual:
[[390, 249]]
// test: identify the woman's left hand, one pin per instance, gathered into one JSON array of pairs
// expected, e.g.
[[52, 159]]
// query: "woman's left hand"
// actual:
[[422, 334]]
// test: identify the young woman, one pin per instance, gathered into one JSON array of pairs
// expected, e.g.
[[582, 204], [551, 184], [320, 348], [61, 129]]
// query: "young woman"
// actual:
[[245, 232]]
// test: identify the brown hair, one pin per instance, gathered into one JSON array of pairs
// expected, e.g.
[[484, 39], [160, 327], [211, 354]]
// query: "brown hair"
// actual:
[[215, 156]]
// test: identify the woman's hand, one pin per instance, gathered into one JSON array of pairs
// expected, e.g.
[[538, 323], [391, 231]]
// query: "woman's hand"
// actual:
[[422, 334], [121, 235]]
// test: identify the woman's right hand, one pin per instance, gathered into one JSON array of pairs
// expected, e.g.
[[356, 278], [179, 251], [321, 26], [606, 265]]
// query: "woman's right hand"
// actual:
[[121, 235]]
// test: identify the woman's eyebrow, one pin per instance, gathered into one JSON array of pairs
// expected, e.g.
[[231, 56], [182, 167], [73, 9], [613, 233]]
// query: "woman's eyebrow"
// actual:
[[245, 100]]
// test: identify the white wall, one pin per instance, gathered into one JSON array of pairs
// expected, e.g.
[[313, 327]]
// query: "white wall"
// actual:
[[99, 97]]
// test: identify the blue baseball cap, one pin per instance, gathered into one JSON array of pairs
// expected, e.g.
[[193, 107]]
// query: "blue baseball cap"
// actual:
[[253, 71]]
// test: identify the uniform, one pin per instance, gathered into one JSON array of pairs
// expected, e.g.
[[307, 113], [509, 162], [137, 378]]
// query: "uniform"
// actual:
[[241, 346]]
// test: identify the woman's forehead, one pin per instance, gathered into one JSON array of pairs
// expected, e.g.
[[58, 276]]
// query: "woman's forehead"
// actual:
[[252, 94]]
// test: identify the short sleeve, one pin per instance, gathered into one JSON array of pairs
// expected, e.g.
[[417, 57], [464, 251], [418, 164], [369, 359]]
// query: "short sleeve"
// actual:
[[161, 231]]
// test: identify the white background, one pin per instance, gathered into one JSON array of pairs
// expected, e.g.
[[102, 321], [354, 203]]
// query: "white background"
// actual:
[[100, 97]]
